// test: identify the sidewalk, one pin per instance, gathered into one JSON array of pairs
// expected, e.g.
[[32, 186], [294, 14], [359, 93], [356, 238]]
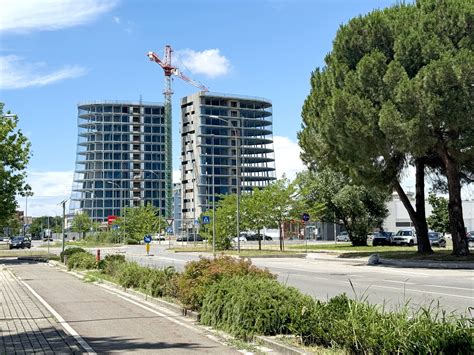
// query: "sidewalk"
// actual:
[[26, 326]]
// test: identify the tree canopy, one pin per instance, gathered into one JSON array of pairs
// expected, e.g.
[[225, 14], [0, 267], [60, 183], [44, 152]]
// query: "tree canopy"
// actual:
[[396, 91], [14, 155]]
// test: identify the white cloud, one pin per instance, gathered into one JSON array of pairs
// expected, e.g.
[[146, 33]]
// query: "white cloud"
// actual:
[[17, 73], [116, 19], [208, 62], [49, 188], [22, 16], [287, 157]]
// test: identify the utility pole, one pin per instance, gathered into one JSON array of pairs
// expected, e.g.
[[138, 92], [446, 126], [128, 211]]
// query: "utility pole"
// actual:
[[64, 219]]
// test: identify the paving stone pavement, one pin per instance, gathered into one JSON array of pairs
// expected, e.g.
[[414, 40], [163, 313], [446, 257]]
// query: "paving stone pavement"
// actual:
[[26, 326]]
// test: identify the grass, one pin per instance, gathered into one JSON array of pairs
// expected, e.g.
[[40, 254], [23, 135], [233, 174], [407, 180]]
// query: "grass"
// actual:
[[309, 349], [24, 252], [346, 250], [243, 252]]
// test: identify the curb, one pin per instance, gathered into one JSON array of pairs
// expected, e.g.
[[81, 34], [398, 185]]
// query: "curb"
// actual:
[[274, 344], [426, 264]]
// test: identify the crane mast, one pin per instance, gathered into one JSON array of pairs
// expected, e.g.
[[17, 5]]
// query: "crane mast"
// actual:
[[169, 70]]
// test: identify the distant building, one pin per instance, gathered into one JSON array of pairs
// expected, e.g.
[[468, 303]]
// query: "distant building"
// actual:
[[226, 147], [120, 162], [177, 208], [398, 217]]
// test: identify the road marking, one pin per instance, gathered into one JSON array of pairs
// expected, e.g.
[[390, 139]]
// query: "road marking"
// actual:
[[454, 288], [398, 282], [60, 319], [424, 291]]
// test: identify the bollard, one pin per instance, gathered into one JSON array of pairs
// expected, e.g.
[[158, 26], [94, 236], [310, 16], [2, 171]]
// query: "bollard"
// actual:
[[97, 256]]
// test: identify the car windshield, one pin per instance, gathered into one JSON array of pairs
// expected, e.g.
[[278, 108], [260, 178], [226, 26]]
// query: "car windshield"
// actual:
[[17, 239], [433, 235], [404, 233]]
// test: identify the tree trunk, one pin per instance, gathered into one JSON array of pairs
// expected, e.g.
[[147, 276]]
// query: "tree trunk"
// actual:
[[456, 221], [281, 235], [417, 220], [259, 240], [421, 226]]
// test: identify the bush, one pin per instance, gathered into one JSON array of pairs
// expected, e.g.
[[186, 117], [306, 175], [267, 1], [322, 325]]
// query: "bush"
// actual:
[[129, 275], [249, 305], [111, 264], [81, 260], [198, 276], [158, 283], [70, 251]]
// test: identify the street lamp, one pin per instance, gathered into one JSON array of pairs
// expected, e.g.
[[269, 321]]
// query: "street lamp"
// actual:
[[120, 204], [237, 168]]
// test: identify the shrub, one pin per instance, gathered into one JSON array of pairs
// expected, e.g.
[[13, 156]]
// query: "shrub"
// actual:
[[131, 241], [158, 282], [129, 275], [249, 305], [111, 264], [70, 251], [81, 260], [199, 275]]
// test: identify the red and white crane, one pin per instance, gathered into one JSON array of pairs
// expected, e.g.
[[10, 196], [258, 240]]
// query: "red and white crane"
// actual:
[[169, 70]]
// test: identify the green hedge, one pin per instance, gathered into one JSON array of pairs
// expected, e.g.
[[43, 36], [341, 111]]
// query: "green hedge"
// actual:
[[70, 251], [81, 260]]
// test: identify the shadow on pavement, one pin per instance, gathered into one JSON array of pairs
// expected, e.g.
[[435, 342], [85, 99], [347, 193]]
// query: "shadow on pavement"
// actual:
[[21, 260]]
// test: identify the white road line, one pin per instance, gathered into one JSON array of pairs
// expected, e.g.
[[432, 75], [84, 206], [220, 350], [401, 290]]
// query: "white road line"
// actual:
[[452, 287], [424, 291], [60, 319]]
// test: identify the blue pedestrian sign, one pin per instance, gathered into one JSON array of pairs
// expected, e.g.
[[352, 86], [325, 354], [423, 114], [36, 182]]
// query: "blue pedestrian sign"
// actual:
[[206, 220], [147, 239], [196, 222], [305, 217], [169, 230]]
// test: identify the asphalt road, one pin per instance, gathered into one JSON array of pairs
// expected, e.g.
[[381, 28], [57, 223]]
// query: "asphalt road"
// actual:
[[110, 322], [326, 277]]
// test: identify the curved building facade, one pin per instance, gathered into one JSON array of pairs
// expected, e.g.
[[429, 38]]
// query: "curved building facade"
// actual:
[[227, 147], [120, 158]]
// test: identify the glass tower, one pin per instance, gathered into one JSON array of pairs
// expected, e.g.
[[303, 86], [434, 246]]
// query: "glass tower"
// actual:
[[120, 158]]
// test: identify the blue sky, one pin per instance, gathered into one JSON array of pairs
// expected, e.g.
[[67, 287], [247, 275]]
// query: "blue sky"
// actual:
[[54, 54]]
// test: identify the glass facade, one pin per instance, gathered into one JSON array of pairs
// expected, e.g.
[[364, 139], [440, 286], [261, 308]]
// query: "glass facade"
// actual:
[[120, 158]]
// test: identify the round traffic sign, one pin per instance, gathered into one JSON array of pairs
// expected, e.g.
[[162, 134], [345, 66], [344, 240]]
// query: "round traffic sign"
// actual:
[[147, 239], [305, 217]]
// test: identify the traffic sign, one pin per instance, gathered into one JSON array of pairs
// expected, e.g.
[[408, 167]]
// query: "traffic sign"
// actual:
[[305, 217], [169, 230], [169, 221], [196, 222], [206, 220], [147, 239]]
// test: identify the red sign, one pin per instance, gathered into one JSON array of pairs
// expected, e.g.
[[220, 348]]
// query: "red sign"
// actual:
[[111, 219]]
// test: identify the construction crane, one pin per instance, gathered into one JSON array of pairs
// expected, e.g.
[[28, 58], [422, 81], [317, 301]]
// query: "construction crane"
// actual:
[[169, 70]]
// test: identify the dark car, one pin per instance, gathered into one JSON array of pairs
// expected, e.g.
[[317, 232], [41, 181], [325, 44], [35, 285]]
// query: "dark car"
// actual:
[[189, 238], [253, 237], [19, 242], [381, 238], [470, 239], [437, 239]]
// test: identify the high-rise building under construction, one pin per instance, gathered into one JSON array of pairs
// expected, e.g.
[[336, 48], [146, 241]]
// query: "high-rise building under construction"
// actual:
[[121, 161], [226, 147]]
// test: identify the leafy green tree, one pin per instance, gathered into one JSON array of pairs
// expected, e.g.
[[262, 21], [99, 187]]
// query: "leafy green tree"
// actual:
[[439, 219], [14, 155], [256, 216], [10, 226], [359, 208], [396, 90], [81, 223], [279, 197], [137, 222]]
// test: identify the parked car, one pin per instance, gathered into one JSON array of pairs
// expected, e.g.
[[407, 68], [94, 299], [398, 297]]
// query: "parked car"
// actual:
[[158, 237], [436, 239], [470, 239], [19, 241], [381, 238], [258, 237], [342, 237], [189, 238], [242, 239], [404, 236]]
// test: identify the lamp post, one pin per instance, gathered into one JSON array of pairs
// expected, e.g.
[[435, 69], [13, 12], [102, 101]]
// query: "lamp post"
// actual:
[[120, 204], [237, 175]]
